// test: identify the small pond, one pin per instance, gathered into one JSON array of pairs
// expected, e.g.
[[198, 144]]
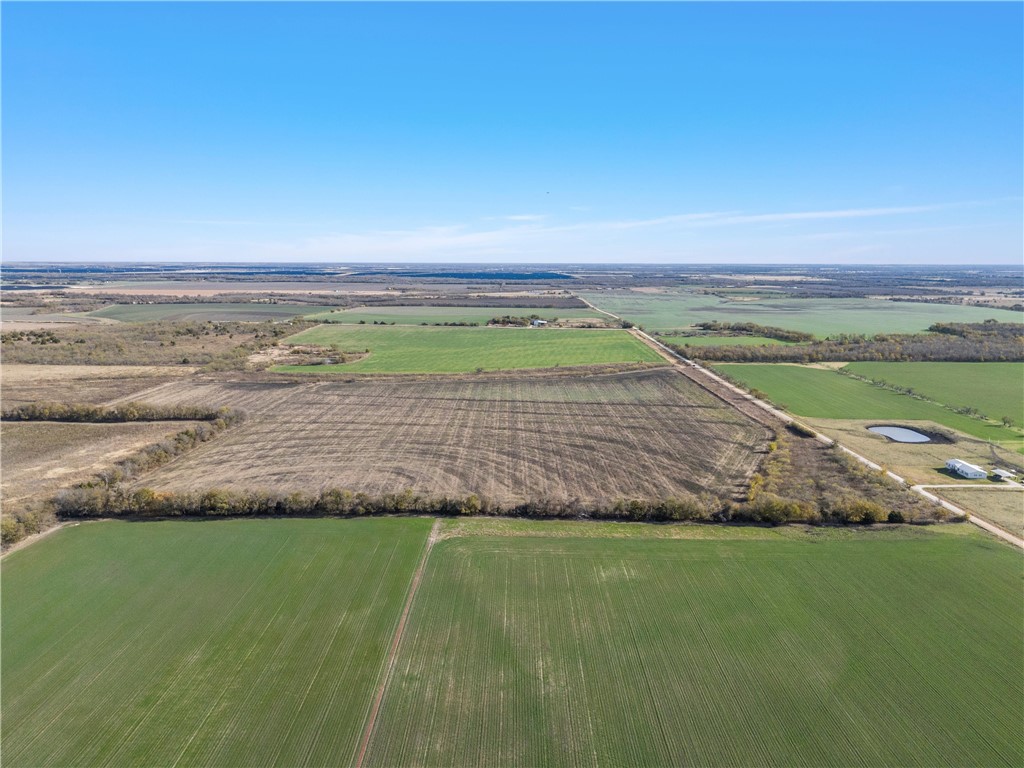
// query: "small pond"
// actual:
[[901, 434]]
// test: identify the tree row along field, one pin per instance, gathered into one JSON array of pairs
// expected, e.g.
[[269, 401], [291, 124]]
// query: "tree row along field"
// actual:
[[417, 349], [737, 341], [41, 458], [262, 642], [230, 643], [826, 394], [676, 309], [650, 434], [994, 389]]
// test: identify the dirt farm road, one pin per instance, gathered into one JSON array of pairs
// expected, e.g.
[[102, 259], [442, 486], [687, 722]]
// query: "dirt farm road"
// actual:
[[689, 367]]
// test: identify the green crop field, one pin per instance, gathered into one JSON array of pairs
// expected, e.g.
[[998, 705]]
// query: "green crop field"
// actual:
[[826, 394], [716, 341], [995, 389], [790, 648], [202, 311], [230, 642], [263, 642], [417, 349], [822, 317], [431, 315]]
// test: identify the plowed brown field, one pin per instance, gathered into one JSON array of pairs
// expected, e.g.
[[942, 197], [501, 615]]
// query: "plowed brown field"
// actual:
[[648, 434]]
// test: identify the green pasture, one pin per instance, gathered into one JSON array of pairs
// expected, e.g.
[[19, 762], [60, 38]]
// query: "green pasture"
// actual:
[[428, 349], [995, 389], [434, 315], [822, 317], [228, 642], [203, 311], [791, 648], [826, 394]]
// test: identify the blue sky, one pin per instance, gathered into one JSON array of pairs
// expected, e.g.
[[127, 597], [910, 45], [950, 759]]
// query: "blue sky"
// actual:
[[863, 133]]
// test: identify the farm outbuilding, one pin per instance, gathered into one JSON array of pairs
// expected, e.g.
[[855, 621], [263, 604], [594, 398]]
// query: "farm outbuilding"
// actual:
[[1004, 474], [962, 468], [538, 323]]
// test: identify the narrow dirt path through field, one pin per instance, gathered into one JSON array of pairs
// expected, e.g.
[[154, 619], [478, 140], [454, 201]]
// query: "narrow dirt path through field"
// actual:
[[396, 641]]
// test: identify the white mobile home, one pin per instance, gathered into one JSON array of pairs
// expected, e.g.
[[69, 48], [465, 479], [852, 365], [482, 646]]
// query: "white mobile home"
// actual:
[[970, 471]]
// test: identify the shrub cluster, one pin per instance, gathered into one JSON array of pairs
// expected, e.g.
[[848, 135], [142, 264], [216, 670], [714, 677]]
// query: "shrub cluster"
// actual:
[[753, 329], [223, 344], [514, 320], [17, 524], [32, 337]]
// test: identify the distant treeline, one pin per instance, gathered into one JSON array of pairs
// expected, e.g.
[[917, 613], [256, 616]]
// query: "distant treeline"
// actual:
[[958, 300], [753, 329], [952, 342], [524, 302], [99, 414]]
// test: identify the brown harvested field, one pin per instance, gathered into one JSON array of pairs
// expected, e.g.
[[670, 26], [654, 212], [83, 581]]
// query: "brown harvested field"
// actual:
[[40, 458], [1002, 506], [649, 434], [94, 384]]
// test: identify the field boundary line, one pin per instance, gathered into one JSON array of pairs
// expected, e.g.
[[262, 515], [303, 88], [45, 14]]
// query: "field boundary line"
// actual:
[[389, 663], [33, 538], [598, 309], [787, 419]]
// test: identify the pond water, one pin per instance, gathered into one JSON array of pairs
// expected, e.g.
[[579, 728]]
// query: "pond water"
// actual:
[[901, 434]]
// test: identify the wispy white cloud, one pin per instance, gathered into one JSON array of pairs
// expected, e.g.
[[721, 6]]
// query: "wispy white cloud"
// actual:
[[525, 234], [525, 217]]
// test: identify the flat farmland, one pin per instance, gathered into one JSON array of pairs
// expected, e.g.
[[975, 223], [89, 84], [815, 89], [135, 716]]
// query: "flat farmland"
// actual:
[[431, 315], [40, 458], [96, 384], [825, 394], [202, 311], [788, 648], [416, 349], [671, 310], [647, 434], [995, 389], [1003, 506], [229, 642]]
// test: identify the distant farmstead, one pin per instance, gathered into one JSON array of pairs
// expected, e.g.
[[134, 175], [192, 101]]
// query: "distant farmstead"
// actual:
[[970, 471], [538, 323]]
